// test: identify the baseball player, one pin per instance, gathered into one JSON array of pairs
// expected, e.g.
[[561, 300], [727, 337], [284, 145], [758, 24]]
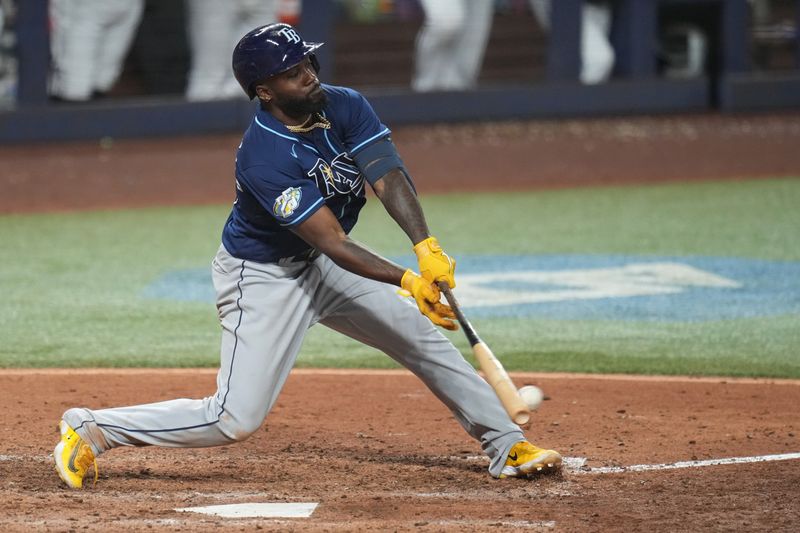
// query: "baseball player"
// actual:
[[286, 263]]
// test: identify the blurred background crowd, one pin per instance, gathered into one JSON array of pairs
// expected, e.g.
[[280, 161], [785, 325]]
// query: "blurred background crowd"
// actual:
[[130, 48]]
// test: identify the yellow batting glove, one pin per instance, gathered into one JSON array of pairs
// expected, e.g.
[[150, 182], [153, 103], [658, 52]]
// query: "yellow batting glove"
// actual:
[[427, 296], [434, 264]]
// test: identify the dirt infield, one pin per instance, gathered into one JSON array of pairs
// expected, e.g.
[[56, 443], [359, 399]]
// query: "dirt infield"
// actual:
[[378, 452]]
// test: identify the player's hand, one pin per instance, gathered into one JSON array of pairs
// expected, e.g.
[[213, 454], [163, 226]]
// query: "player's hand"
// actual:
[[427, 296], [434, 264]]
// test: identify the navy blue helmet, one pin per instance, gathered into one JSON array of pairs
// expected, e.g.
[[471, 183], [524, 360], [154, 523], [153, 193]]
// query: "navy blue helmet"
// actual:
[[269, 50]]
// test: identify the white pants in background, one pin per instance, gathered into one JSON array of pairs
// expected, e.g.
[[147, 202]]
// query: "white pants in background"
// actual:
[[89, 42], [597, 54], [214, 29], [451, 44]]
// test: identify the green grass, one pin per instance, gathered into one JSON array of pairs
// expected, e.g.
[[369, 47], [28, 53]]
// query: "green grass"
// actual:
[[758, 219], [71, 283], [72, 294], [753, 347]]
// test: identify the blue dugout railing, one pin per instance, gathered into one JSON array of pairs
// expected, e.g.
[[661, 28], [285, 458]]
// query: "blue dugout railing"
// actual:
[[635, 89]]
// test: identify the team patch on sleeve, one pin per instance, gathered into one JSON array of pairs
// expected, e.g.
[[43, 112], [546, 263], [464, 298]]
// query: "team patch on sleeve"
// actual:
[[287, 202]]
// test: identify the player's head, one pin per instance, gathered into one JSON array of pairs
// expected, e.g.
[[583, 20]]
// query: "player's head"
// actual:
[[267, 51]]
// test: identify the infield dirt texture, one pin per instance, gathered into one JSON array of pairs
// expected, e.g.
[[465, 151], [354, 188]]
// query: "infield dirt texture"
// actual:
[[375, 449]]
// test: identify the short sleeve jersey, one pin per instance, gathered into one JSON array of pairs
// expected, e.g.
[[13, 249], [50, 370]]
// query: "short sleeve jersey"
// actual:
[[282, 178]]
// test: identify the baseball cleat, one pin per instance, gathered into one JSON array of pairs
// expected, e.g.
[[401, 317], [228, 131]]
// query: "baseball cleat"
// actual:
[[73, 457], [525, 459]]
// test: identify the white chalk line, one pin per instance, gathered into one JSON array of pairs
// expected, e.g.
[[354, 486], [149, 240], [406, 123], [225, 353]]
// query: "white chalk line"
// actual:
[[577, 464], [571, 464]]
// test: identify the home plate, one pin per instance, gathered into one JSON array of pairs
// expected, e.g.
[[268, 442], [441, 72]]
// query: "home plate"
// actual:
[[256, 510]]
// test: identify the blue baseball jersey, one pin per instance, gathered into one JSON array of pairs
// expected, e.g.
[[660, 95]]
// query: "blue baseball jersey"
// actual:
[[282, 178]]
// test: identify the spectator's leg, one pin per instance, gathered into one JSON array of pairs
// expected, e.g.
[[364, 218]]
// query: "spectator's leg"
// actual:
[[211, 22], [75, 39], [597, 54], [541, 10], [435, 45], [121, 20], [471, 45], [251, 14]]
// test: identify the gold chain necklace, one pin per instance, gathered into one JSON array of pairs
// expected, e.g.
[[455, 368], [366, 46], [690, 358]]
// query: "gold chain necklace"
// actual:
[[316, 121]]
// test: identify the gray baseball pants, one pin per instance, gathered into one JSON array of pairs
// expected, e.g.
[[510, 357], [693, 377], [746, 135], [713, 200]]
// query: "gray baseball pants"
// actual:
[[265, 310]]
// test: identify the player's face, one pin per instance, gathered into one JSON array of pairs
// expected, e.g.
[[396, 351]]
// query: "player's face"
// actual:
[[297, 92]]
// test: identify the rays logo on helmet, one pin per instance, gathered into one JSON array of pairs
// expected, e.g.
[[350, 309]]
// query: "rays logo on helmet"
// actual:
[[287, 202], [291, 35]]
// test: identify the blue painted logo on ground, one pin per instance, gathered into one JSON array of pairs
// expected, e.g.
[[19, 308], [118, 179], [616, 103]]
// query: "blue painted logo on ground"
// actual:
[[591, 287]]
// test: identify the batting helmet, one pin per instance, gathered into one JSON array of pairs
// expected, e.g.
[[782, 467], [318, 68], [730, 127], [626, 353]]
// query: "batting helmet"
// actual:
[[269, 50]]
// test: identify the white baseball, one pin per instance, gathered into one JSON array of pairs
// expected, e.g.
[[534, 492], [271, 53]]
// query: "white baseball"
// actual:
[[531, 395]]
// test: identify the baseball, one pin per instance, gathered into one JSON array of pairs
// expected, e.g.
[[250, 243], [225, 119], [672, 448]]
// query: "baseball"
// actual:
[[531, 395]]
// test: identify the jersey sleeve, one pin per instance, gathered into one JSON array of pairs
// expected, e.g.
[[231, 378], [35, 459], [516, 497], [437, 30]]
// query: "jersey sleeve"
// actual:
[[289, 199], [364, 126]]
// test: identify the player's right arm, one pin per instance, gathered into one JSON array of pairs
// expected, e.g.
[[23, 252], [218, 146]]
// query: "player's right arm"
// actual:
[[370, 144], [384, 170], [400, 201]]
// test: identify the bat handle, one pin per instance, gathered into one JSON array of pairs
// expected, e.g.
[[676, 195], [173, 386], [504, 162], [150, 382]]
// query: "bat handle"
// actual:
[[469, 331]]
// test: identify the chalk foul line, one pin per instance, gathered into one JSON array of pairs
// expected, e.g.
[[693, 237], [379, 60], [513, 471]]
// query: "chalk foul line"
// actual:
[[577, 464], [572, 465]]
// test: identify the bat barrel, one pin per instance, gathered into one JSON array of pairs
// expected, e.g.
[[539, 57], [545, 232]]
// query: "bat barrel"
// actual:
[[493, 370]]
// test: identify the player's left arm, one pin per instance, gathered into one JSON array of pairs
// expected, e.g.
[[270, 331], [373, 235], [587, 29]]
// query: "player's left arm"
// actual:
[[323, 231], [384, 170]]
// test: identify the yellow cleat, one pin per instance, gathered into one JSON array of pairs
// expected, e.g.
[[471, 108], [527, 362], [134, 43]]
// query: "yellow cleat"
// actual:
[[73, 457], [525, 459]]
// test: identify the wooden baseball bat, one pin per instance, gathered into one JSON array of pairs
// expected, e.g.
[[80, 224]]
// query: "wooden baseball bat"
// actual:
[[495, 374]]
